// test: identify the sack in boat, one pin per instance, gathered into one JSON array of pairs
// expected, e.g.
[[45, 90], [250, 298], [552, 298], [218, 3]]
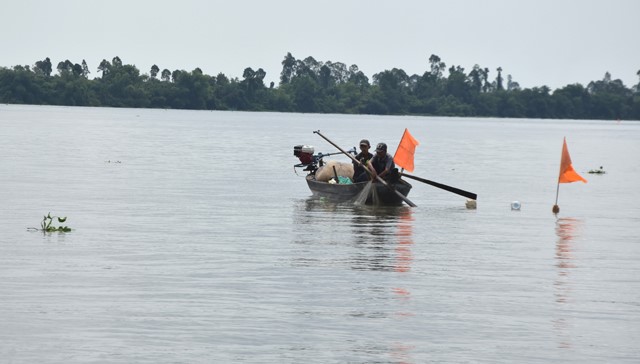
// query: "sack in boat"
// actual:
[[325, 173]]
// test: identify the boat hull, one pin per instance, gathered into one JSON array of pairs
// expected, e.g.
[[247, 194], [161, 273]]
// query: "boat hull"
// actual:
[[346, 192]]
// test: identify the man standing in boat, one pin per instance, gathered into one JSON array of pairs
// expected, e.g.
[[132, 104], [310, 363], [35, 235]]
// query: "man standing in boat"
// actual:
[[359, 173], [382, 165]]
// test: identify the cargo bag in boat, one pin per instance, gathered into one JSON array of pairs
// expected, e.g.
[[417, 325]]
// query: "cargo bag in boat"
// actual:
[[325, 173]]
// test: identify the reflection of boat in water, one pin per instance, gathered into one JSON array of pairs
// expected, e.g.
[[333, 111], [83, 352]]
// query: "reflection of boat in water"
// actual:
[[340, 187], [357, 237]]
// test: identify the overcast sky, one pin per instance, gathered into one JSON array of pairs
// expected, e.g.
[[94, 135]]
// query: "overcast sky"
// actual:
[[538, 42]]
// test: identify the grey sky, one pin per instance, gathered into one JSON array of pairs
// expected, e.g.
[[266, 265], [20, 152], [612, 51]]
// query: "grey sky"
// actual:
[[541, 42]]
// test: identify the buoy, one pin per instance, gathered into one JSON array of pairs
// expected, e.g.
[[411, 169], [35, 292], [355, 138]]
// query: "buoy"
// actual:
[[471, 204], [515, 205]]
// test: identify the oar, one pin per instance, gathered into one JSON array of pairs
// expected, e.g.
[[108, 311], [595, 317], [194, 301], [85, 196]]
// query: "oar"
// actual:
[[403, 197], [458, 191]]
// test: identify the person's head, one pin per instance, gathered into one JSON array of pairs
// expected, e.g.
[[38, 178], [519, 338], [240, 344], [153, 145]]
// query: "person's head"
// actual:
[[381, 148], [364, 145]]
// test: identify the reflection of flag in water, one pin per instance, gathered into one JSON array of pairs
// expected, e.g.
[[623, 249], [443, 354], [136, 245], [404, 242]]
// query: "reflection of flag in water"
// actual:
[[405, 241], [406, 150], [566, 231], [567, 173]]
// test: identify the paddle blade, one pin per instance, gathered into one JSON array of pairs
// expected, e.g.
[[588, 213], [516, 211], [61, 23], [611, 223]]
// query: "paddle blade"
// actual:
[[457, 191]]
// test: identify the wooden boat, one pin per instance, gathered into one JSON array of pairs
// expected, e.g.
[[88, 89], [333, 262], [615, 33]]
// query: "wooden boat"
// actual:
[[378, 194], [362, 192]]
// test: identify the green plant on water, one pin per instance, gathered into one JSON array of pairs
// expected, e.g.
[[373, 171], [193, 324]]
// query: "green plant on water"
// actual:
[[46, 226]]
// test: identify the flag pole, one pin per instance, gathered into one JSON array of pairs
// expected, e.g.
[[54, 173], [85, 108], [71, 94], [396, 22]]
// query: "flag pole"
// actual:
[[556, 208]]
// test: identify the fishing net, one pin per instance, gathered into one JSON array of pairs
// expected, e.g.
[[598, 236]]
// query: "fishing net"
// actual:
[[368, 192]]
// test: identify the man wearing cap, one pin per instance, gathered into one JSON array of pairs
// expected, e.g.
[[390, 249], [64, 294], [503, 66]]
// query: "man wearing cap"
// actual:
[[359, 174], [382, 165]]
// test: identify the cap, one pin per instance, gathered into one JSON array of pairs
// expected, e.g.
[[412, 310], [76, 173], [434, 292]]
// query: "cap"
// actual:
[[365, 142], [382, 147]]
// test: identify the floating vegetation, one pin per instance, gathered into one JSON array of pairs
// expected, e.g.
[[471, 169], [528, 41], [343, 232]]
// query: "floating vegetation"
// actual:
[[47, 227]]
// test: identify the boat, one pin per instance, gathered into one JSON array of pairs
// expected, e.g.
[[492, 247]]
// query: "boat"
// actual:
[[370, 193], [375, 194]]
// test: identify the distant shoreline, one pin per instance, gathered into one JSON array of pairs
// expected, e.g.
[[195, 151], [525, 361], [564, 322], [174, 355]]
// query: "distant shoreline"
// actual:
[[309, 86]]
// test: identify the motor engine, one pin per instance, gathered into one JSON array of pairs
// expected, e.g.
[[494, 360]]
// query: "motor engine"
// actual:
[[304, 153]]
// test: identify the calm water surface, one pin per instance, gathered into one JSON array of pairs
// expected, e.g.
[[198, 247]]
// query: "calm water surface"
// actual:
[[195, 242]]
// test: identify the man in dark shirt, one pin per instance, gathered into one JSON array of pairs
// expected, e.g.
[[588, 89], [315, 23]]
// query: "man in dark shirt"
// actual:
[[359, 174], [382, 165]]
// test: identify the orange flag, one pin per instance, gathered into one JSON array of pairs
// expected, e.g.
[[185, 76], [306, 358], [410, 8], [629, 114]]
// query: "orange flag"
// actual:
[[406, 150], [567, 173]]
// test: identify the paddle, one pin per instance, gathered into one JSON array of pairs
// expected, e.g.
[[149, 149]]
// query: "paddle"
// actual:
[[458, 191], [404, 198]]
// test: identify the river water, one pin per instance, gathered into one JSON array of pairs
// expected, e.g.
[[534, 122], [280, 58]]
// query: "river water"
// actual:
[[194, 241]]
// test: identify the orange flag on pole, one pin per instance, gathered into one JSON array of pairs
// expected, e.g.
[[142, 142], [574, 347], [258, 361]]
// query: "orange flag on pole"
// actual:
[[567, 173], [406, 150]]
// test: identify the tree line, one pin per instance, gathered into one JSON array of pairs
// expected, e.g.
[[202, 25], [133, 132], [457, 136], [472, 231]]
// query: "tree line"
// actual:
[[312, 86]]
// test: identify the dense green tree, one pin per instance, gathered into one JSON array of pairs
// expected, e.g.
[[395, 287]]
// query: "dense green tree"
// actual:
[[20, 86], [124, 87], [358, 78], [193, 89], [43, 67], [166, 75], [324, 78], [511, 84], [437, 67], [571, 101], [608, 98], [175, 75], [393, 87], [429, 87], [105, 68], [486, 104], [154, 71], [288, 69], [65, 68], [475, 79], [77, 70], [499, 81], [457, 85], [486, 85], [85, 69], [253, 82], [305, 91], [310, 85], [537, 103]]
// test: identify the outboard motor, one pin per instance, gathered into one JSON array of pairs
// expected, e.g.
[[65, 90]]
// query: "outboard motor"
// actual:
[[308, 161], [304, 153]]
